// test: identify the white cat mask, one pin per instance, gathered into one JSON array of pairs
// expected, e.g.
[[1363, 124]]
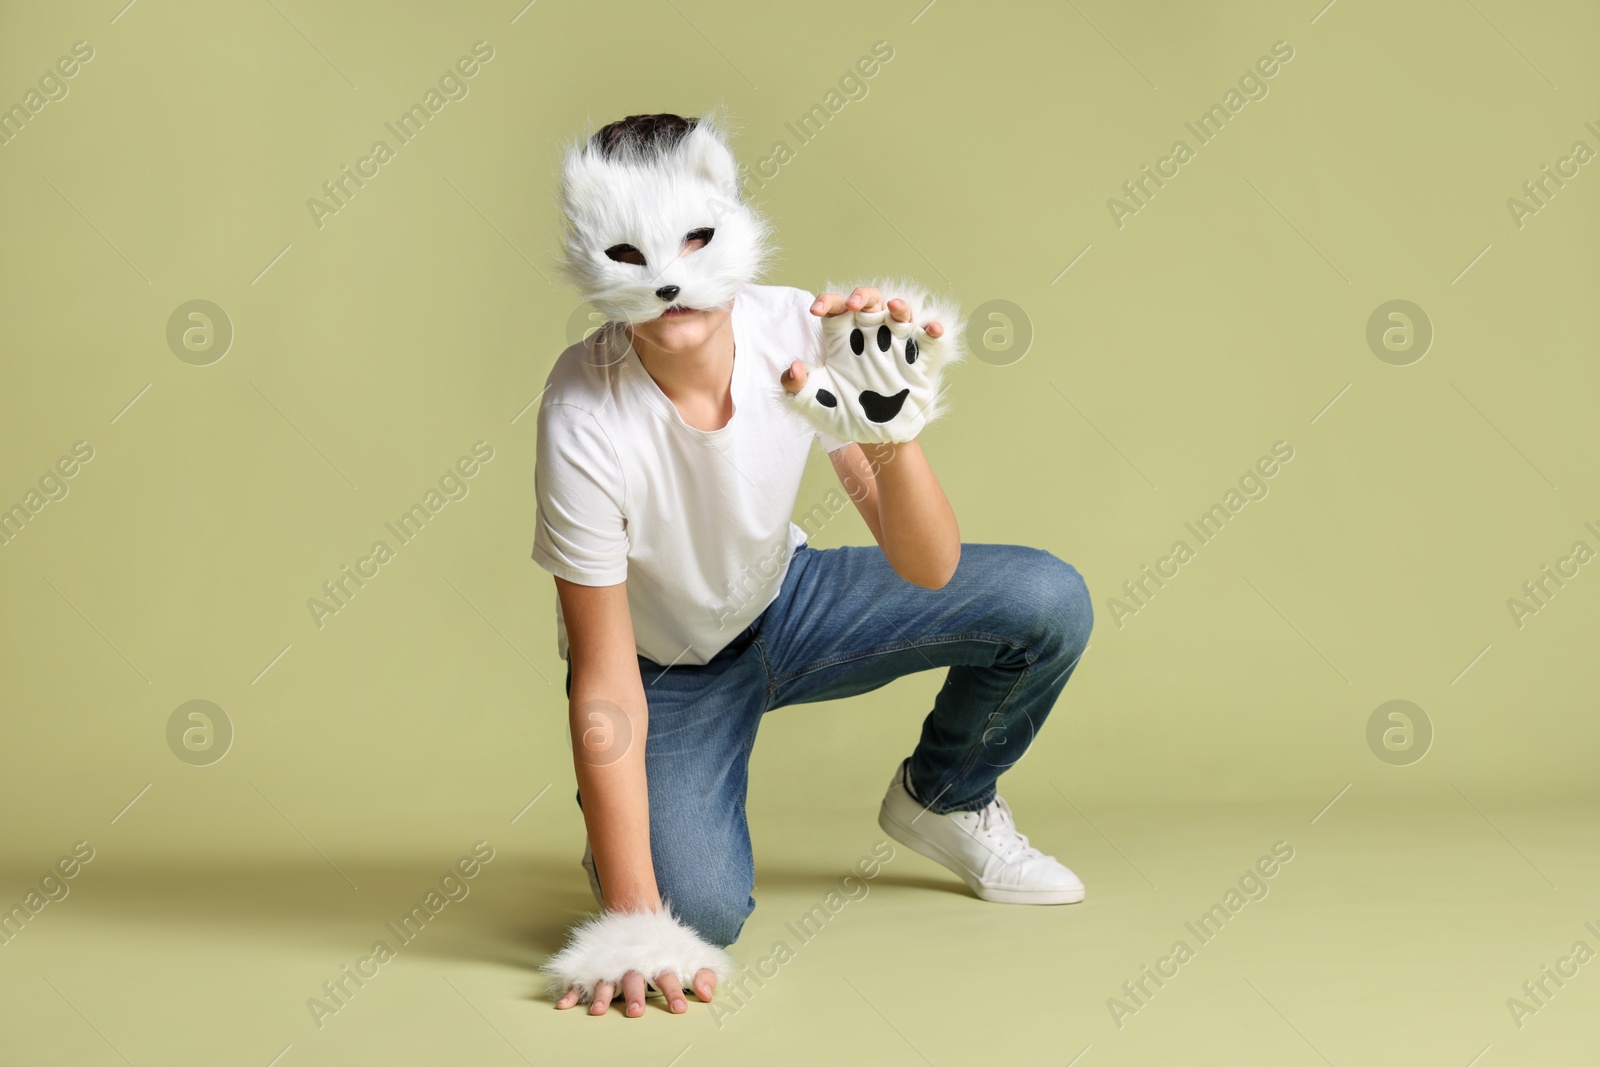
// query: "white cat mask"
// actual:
[[648, 203]]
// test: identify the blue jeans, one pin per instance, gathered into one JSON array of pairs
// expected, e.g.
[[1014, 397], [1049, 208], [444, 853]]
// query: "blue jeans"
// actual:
[[1010, 625]]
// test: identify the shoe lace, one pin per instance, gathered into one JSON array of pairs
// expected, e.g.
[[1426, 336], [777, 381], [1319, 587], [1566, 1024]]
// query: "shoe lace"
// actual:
[[1001, 833]]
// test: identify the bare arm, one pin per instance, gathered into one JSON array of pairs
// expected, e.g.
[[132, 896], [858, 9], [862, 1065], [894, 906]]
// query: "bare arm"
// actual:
[[902, 503], [892, 485], [610, 720]]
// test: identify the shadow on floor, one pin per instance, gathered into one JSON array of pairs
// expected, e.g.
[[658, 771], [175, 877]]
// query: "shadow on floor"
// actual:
[[516, 911]]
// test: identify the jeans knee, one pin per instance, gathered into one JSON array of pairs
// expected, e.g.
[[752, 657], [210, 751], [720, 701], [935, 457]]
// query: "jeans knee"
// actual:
[[1063, 610], [717, 917]]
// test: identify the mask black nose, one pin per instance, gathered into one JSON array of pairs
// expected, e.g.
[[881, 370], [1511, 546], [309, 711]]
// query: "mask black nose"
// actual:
[[668, 293]]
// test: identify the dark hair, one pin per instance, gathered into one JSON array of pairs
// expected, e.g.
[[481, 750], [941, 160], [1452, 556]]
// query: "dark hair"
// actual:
[[641, 136]]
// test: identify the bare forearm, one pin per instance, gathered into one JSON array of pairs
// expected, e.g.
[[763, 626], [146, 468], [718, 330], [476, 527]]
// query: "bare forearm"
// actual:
[[917, 525], [608, 743], [610, 719]]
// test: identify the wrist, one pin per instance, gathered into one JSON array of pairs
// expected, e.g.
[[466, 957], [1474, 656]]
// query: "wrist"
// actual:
[[881, 457], [642, 900], [629, 889]]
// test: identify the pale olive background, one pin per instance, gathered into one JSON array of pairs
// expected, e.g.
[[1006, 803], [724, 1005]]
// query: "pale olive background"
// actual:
[[368, 355]]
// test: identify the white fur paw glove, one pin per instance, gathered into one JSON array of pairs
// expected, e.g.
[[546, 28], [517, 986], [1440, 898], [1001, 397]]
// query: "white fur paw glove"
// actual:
[[604, 948], [880, 380]]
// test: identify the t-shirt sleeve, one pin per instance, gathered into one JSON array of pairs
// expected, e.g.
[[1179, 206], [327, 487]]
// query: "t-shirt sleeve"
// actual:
[[581, 531]]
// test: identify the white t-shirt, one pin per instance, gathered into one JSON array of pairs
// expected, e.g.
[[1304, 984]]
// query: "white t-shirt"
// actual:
[[697, 522]]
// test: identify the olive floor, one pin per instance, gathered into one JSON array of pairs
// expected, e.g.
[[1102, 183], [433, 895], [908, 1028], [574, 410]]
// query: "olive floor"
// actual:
[[1396, 934]]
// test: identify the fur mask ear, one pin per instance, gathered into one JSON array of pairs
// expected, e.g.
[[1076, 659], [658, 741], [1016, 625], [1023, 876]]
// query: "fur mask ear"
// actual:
[[632, 213], [706, 155]]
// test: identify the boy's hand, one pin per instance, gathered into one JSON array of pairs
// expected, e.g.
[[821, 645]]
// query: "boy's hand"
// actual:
[[864, 298], [705, 983], [879, 379], [616, 949]]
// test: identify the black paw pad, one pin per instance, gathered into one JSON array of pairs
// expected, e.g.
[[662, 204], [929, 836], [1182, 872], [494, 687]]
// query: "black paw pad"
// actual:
[[911, 349], [880, 408], [884, 337], [858, 343], [827, 399]]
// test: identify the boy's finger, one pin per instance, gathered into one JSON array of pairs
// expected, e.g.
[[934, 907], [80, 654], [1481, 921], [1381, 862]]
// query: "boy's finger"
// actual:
[[794, 379], [865, 298], [705, 983], [899, 310], [633, 994], [672, 989], [828, 304]]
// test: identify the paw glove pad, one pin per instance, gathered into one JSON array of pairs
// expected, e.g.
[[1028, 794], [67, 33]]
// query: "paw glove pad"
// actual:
[[881, 380]]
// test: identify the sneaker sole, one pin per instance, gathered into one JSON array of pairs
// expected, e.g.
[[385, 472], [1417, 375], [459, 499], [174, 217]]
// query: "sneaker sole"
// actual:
[[594, 882], [996, 894]]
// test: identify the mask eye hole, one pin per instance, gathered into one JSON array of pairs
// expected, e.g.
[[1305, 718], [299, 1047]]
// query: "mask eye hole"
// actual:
[[626, 254], [695, 240]]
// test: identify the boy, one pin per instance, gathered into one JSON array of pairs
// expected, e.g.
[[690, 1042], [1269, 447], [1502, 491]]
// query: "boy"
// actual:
[[670, 451]]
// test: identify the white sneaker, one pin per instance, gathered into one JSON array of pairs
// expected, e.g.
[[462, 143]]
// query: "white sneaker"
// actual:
[[983, 847], [588, 867]]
